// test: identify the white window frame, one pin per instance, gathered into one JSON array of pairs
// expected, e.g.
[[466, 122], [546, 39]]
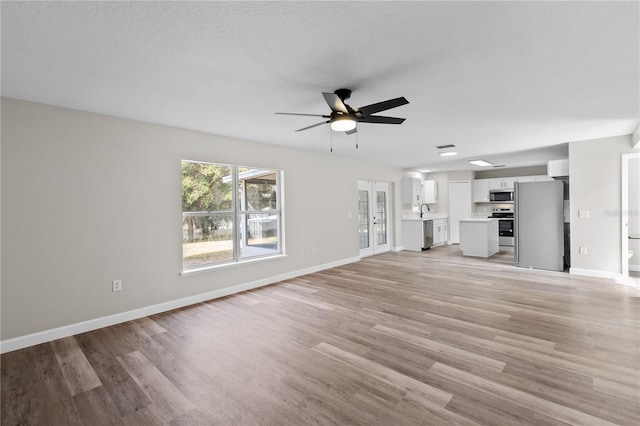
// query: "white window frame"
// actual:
[[237, 213]]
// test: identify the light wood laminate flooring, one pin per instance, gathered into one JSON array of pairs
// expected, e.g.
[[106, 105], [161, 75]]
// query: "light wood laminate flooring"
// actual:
[[397, 339]]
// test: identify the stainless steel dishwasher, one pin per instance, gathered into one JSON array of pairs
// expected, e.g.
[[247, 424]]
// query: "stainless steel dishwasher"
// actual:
[[427, 233]]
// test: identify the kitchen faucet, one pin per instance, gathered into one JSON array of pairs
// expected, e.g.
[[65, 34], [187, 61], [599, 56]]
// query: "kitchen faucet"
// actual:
[[424, 204]]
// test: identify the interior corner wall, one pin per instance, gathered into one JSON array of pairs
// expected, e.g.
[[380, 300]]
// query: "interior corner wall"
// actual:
[[595, 186], [88, 198]]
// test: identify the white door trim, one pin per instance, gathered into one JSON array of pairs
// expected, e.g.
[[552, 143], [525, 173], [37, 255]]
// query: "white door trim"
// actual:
[[624, 212]]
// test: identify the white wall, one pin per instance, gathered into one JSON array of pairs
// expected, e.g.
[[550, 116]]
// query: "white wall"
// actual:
[[634, 212], [594, 185], [88, 198]]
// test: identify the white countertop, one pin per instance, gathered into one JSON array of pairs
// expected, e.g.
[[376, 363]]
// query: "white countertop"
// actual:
[[478, 219], [426, 216]]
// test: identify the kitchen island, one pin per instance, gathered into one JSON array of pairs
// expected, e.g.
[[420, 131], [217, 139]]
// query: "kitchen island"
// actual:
[[479, 236]]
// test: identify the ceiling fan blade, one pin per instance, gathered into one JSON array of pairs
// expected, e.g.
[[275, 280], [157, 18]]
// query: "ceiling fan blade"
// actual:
[[352, 131], [313, 125], [382, 106], [381, 119], [308, 115], [335, 103]]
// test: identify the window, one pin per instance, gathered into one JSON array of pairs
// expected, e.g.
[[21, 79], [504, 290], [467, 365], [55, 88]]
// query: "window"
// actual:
[[229, 214]]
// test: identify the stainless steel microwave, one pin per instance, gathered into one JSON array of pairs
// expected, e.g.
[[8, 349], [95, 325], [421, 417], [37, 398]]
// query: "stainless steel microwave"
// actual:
[[501, 196]]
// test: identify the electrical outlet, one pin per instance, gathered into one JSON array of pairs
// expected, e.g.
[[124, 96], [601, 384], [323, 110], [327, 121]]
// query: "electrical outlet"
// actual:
[[116, 285], [582, 250], [583, 214]]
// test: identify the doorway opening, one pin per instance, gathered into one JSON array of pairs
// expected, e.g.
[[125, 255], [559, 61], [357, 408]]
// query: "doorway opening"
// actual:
[[630, 220]]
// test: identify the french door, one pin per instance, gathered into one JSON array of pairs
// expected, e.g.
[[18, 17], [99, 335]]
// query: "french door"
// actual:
[[373, 217]]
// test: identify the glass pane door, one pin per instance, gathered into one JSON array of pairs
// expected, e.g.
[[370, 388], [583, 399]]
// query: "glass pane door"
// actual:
[[381, 217], [363, 219], [373, 217]]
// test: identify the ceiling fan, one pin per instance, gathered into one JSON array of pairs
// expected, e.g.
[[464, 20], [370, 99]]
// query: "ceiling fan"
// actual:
[[343, 118]]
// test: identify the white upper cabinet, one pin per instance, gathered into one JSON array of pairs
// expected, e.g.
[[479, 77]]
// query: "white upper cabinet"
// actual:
[[558, 168], [481, 190], [411, 190], [501, 183], [483, 186], [507, 183], [430, 192]]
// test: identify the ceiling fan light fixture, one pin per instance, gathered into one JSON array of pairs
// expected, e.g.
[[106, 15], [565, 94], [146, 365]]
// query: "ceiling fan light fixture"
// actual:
[[481, 163], [343, 123]]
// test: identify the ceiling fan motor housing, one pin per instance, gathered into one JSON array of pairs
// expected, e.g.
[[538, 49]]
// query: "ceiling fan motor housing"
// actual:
[[343, 94]]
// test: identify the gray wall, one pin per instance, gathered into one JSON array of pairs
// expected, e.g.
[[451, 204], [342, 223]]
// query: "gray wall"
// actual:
[[88, 198], [594, 184]]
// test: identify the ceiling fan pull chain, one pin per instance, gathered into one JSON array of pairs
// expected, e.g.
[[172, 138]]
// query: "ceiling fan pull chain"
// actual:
[[356, 140], [331, 138]]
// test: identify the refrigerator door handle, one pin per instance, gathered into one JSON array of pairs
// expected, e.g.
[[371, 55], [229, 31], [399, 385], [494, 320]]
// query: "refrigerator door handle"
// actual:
[[516, 224]]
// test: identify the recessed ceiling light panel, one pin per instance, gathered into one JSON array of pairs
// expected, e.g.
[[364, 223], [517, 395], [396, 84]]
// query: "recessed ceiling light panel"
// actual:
[[481, 163], [448, 153]]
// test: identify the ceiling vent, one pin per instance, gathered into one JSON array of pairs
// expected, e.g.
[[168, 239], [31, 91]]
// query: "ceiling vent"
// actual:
[[445, 146]]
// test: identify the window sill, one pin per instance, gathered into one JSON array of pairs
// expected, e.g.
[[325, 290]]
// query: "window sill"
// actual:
[[194, 271]]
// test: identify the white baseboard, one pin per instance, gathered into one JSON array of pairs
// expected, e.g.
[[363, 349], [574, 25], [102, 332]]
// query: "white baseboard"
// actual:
[[615, 276], [594, 273], [631, 282], [398, 248], [93, 324]]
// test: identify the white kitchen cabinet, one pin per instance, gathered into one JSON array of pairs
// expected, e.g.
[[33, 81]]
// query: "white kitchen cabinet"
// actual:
[[412, 235], [507, 182], [543, 178], [481, 190], [411, 190], [501, 183], [483, 186], [495, 183], [430, 192], [558, 168], [413, 232], [440, 232]]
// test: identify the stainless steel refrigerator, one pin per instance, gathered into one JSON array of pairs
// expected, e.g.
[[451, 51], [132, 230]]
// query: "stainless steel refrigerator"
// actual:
[[539, 225]]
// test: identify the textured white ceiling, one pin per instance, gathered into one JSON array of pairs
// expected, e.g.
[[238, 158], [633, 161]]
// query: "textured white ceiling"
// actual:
[[493, 78]]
